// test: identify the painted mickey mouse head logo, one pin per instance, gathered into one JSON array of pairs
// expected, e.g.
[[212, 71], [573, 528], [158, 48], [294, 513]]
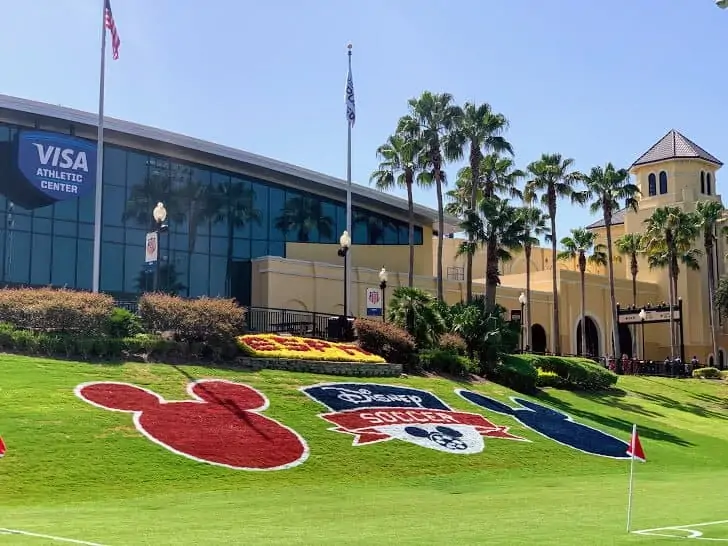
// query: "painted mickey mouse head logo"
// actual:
[[447, 437], [222, 425]]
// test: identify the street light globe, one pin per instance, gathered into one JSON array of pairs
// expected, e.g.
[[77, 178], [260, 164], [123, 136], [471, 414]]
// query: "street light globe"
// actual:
[[522, 299], [159, 213], [643, 315], [383, 275], [345, 240]]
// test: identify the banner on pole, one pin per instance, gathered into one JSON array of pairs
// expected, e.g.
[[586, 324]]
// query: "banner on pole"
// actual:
[[151, 248], [374, 302]]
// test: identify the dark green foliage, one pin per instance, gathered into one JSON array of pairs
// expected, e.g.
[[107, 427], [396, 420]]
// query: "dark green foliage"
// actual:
[[486, 332], [442, 360], [548, 379], [417, 312], [123, 323], [516, 373], [387, 340]]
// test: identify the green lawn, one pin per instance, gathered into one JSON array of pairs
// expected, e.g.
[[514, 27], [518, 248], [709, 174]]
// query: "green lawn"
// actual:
[[76, 471]]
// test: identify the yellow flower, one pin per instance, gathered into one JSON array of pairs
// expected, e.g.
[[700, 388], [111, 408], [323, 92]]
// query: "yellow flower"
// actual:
[[302, 348]]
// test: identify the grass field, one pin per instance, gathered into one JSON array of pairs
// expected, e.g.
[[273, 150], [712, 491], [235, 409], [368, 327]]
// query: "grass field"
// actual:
[[76, 471]]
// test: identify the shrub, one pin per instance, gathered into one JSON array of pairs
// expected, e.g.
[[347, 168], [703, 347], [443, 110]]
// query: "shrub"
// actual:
[[576, 373], [418, 312], [548, 379], [441, 360], [56, 310], [724, 374], [453, 343], [122, 323], [516, 373], [214, 321], [390, 342], [707, 373]]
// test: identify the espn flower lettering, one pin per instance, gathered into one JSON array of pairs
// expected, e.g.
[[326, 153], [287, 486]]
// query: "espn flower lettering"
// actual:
[[275, 346], [65, 158]]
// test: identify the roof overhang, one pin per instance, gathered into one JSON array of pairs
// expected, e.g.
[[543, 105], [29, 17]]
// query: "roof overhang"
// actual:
[[286, 173]]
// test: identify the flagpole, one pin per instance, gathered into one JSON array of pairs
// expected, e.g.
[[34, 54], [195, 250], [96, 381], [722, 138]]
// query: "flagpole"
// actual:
[[99, 158], [347, 257], [631, 480]]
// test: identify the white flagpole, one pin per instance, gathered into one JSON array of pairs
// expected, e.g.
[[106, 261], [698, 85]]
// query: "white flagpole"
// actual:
[[347, 257], [631, 480], [99, 158]]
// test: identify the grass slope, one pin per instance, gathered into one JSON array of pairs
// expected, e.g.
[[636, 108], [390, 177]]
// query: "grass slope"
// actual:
[[73, 470]]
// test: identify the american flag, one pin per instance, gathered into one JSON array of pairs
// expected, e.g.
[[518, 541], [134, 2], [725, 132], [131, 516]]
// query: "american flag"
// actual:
[[111, 25], [350, 104]]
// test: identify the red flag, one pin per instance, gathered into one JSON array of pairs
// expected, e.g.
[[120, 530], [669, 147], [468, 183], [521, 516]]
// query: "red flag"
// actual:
[[111, 25], [2, 448], [635, 447]]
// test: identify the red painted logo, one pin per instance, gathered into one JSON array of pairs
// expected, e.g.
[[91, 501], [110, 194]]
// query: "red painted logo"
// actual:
[[222, 426]]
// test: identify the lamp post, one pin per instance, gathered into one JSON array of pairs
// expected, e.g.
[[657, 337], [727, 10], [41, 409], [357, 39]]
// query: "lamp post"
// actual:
[[344, 245], [383, 276], [522, 300], [643, 316], [159, 214]]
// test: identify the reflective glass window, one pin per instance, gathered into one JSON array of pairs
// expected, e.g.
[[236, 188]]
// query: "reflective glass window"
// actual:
[[241, 249], [258, 249], [114, 166], [112, 267], [277, 248], [84, 265], [67, 229], [40, 260], [66, 210], [199, 275], [17, 257], [112, 234], [663, 182], [218, 273], [63, 270], [259, 228], [42, 225], [652, 184], [276, 203]]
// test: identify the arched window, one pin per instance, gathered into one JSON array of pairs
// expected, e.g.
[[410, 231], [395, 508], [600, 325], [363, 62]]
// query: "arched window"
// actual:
[[708, 189], [702, 181], [652, 183], [663, 182]]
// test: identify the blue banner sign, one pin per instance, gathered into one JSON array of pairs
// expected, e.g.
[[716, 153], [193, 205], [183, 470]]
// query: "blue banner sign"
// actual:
[[61, 166]]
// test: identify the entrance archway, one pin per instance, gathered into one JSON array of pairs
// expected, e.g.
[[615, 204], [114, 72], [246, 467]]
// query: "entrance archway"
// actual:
[[721, 359], [538, 338], [625, 340], [592, 338]]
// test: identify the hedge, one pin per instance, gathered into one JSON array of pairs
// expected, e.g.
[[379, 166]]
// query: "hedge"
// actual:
[[215, 321], [575, 372], [56, 310], [707, 373], [517, 373], [392, 343], [447, 361]]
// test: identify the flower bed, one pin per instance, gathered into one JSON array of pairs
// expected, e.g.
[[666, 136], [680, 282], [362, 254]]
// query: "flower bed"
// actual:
[[301, 348]]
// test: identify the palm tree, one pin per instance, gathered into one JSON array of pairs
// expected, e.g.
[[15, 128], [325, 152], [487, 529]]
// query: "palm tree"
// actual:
[[495, 221], [576, 248], [552, 178], [414, 310], [401, 164], [432, 117], [459, 196], [236, 209], [708, 214], [479, 129], [533, 223], [630, 244], [609, 189], [668, 238]]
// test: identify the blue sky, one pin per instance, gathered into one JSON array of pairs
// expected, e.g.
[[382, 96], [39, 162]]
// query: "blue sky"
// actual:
[[596, 81]]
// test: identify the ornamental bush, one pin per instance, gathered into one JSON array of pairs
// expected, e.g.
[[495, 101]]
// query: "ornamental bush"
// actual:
[[442, 360], [548, 379], [707, 373], [214, 321], [453, 343], [55, 310], [390, 342], [575, 372]]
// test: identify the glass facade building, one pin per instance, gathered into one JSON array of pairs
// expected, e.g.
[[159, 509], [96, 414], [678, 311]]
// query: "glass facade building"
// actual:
[[218, 222]]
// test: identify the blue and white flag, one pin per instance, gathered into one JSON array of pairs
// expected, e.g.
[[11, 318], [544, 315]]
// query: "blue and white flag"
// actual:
[[350, 104]]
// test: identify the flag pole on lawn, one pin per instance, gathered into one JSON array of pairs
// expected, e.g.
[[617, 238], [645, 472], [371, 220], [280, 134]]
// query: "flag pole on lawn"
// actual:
[[107, 22], [635, 451], [350, 119]]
